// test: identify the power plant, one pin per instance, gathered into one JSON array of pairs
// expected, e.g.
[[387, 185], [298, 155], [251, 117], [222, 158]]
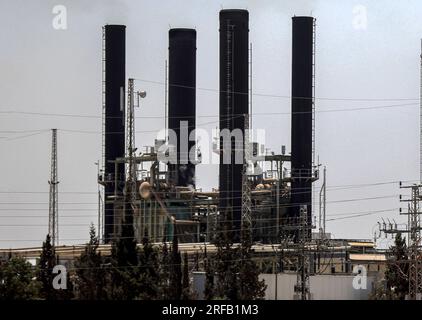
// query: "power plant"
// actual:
[[148, 192], [167, 201]]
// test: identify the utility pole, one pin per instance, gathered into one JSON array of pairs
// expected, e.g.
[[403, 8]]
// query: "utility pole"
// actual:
[[53, 219], [322, 202], [99, 230]]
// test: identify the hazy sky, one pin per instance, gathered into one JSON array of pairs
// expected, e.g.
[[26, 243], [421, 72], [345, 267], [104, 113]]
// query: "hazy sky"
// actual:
[[360, 63]]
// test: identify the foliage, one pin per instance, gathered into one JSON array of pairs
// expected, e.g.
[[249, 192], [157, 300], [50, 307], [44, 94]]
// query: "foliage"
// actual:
[[123, 271], [397, 272], [249, 285], [90, 274], [236, 270], [186, 292], [209, 277], [17, 280], [149, 272], [165, 262], [175, 291], [45, 274]]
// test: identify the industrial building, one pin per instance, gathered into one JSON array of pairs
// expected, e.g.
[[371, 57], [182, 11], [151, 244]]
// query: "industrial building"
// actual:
[[165, 201], [160, 197]]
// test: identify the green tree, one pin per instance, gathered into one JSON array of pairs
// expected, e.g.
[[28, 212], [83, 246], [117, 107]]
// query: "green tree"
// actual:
[[209, 277], [45, 274], [226, 258], [123, 270], [250, 286], [396, 275], [186, 292], [90, 276], [17, 280], [237, 272], [149, 273], [165, 272], [175, 291]]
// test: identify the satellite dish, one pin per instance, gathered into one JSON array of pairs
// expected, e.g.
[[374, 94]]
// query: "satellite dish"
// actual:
[[145, 190]]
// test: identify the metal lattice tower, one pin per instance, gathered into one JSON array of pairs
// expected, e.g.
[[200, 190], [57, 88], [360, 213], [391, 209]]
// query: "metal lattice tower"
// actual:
[[246, 187], [53, 219], [130, 144], [420, 120], [415, 258], [414, 239], [302, 283]]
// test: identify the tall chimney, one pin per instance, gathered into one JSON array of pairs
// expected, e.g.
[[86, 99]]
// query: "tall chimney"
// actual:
[[114, 130], [182, 103], [234, 89], [302, 100]]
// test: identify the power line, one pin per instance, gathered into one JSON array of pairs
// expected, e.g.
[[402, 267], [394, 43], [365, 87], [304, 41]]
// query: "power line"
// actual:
[[278, 96], [351, 214], [95, 203], [337, 109], [333, 187]]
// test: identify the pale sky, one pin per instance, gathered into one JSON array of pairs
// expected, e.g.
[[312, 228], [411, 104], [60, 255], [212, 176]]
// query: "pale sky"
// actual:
[[43, 70]]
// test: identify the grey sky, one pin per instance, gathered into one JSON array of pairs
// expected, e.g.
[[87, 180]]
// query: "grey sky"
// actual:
[[59, 71]]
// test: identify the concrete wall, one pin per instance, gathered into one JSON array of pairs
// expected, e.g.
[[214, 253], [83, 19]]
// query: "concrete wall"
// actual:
[[323, 287]]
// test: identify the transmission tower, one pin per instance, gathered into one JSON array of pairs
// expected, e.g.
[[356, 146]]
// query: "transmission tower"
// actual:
[[130, 185], [414, 229], [246, 192], [53, 219], [302, 283], [414, 239], [420, 119]]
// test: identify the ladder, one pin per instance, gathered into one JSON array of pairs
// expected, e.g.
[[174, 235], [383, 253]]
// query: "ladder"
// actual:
[[103, 98], [313, 91], [313, 165]]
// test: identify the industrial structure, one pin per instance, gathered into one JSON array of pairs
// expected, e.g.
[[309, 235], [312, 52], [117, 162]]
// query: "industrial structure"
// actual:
[[413, 229], [53, 214], [160, 197], [113, 110], [151, 191], [303, 120], [182, 104], [234, 91]]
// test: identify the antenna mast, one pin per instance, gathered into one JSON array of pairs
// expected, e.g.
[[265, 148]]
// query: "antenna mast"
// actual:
[[53, 219]]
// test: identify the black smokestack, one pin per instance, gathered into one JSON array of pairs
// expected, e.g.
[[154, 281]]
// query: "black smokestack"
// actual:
[[234, 87], [182, 100], [302, 99], [115, 55]]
